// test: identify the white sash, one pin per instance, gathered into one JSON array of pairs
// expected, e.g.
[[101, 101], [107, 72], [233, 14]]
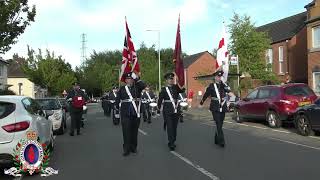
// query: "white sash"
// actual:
[[218, 96], [148, 96], [115, 95], [133, 103], [171, 99]]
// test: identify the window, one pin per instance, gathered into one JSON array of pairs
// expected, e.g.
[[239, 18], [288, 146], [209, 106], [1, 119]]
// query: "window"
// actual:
[[274, 93], [298, 91], [316, 82], [31, 106], [316, 37], [252, 95], [269, 59], [264, 94], [281, 65]]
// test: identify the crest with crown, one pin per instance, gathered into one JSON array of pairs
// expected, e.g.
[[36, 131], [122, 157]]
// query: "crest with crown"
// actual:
[[32, 135]]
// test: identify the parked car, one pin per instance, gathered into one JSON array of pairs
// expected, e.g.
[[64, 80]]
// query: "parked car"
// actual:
[[55, 113], [307, 119], [274, 103], [64, 104], [231, 101], [19, 114]]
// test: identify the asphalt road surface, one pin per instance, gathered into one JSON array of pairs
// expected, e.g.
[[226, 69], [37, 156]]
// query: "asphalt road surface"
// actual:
[[253, 152]]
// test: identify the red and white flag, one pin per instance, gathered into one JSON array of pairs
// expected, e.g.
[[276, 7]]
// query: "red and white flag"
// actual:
[[129, 56], [222, 62]]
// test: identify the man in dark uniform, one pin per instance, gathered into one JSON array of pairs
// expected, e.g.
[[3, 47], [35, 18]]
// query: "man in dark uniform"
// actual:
[[128, 100], [112, 99], [169, 96], [218, 106], [147, 97], [76, 95], [182, 98]]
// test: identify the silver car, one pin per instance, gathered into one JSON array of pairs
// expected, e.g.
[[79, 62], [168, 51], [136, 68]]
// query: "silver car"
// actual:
[[19, 114]]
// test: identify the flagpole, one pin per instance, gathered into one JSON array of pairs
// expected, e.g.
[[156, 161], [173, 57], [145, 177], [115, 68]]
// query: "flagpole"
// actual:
[[238, 72], [159, 59]]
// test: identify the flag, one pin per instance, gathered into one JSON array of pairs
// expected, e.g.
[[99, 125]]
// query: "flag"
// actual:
[[222, 62], [129, 56], [177, 59]]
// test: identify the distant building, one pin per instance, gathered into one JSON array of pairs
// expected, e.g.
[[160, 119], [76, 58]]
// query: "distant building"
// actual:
[[21, 85], [3, 74]]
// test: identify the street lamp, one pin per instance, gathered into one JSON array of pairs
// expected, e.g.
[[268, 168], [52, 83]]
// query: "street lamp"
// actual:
[[118, 75], [157, 30]]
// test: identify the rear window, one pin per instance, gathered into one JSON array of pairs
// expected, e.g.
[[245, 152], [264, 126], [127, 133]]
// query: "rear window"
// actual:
[[6, 109], [298, 91], [48, 104]]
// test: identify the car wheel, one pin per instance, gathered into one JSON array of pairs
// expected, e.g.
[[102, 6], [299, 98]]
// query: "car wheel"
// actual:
[[273, 119], [237, 117], [317, 132], [303, 125]]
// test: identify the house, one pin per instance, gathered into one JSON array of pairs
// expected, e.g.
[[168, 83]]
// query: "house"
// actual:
[[202, 63], [313, 45], [288, 51], [295, 46], [3, 74], [21, 85]]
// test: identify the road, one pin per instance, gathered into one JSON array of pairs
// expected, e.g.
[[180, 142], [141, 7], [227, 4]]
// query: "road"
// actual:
[[253, 152]]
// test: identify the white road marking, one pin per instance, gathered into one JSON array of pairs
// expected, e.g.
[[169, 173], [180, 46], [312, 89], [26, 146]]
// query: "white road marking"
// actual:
[[18, 178], [287, 132], [197, 167], [142, 132], [289, 142]]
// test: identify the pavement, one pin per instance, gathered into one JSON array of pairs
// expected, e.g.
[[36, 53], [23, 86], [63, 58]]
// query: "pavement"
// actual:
[[253, 152]]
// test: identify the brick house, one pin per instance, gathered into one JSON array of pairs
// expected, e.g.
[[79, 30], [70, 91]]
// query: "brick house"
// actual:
[[288, 51], [202, 63], [313, 45]]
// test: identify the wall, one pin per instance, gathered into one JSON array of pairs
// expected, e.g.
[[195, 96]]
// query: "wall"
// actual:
[[3, 76], [27, 88]]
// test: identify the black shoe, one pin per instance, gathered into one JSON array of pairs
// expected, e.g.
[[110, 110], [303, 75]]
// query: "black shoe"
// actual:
[[172, 148], [78, 133], [126, 153], [222, 145], [181, 121], [149, 122], [71, 134], [134, 151]]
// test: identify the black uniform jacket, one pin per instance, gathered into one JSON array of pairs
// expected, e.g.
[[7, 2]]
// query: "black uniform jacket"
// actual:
[[164, 97], [210, 91], [126, 108]]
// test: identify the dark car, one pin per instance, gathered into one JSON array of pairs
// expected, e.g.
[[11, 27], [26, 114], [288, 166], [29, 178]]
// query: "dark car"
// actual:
[[307, 119], [64, 104], [274, 103]]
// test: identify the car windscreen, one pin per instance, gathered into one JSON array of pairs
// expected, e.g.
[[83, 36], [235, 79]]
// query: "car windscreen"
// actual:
[[298, 91], [6, 109], [49, 104]]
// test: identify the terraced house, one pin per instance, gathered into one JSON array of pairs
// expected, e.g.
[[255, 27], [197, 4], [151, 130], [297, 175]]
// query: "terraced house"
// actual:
[[295, 46]]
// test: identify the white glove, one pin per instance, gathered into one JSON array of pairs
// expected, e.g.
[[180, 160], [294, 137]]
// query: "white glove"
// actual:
[[134, 76]]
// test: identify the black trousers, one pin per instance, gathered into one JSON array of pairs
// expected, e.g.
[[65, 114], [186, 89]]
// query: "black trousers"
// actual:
[[218, 117], [130, 126], [146, 112], [76, 117], [171, 121]]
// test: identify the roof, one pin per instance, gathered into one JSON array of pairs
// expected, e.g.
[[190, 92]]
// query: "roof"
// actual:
[[192, 58], [310, 4], [15, 71], [3, 61], [284, 29]]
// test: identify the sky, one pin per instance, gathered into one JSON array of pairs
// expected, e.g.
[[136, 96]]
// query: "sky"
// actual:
[[59, 23]]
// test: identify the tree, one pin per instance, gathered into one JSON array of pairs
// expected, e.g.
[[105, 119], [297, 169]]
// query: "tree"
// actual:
[[49, 71], [250, 45], [15, 16]]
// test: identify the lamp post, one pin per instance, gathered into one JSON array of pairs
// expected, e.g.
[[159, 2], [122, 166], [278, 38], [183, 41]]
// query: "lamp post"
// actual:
[[157, 30], [118, 75]]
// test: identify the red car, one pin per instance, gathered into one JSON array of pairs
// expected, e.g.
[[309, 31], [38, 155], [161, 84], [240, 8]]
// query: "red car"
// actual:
[[274, 103]]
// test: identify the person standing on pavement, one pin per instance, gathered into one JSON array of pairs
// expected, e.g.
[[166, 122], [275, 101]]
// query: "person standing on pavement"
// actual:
[[77, 99], [169, 97], [112, 98], [148, 97], [218, 106], [190, 97], [128, 101]]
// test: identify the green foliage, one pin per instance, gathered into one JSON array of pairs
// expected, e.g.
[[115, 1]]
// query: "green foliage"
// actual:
[[15, 16], [49, 71], [250, 45]]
